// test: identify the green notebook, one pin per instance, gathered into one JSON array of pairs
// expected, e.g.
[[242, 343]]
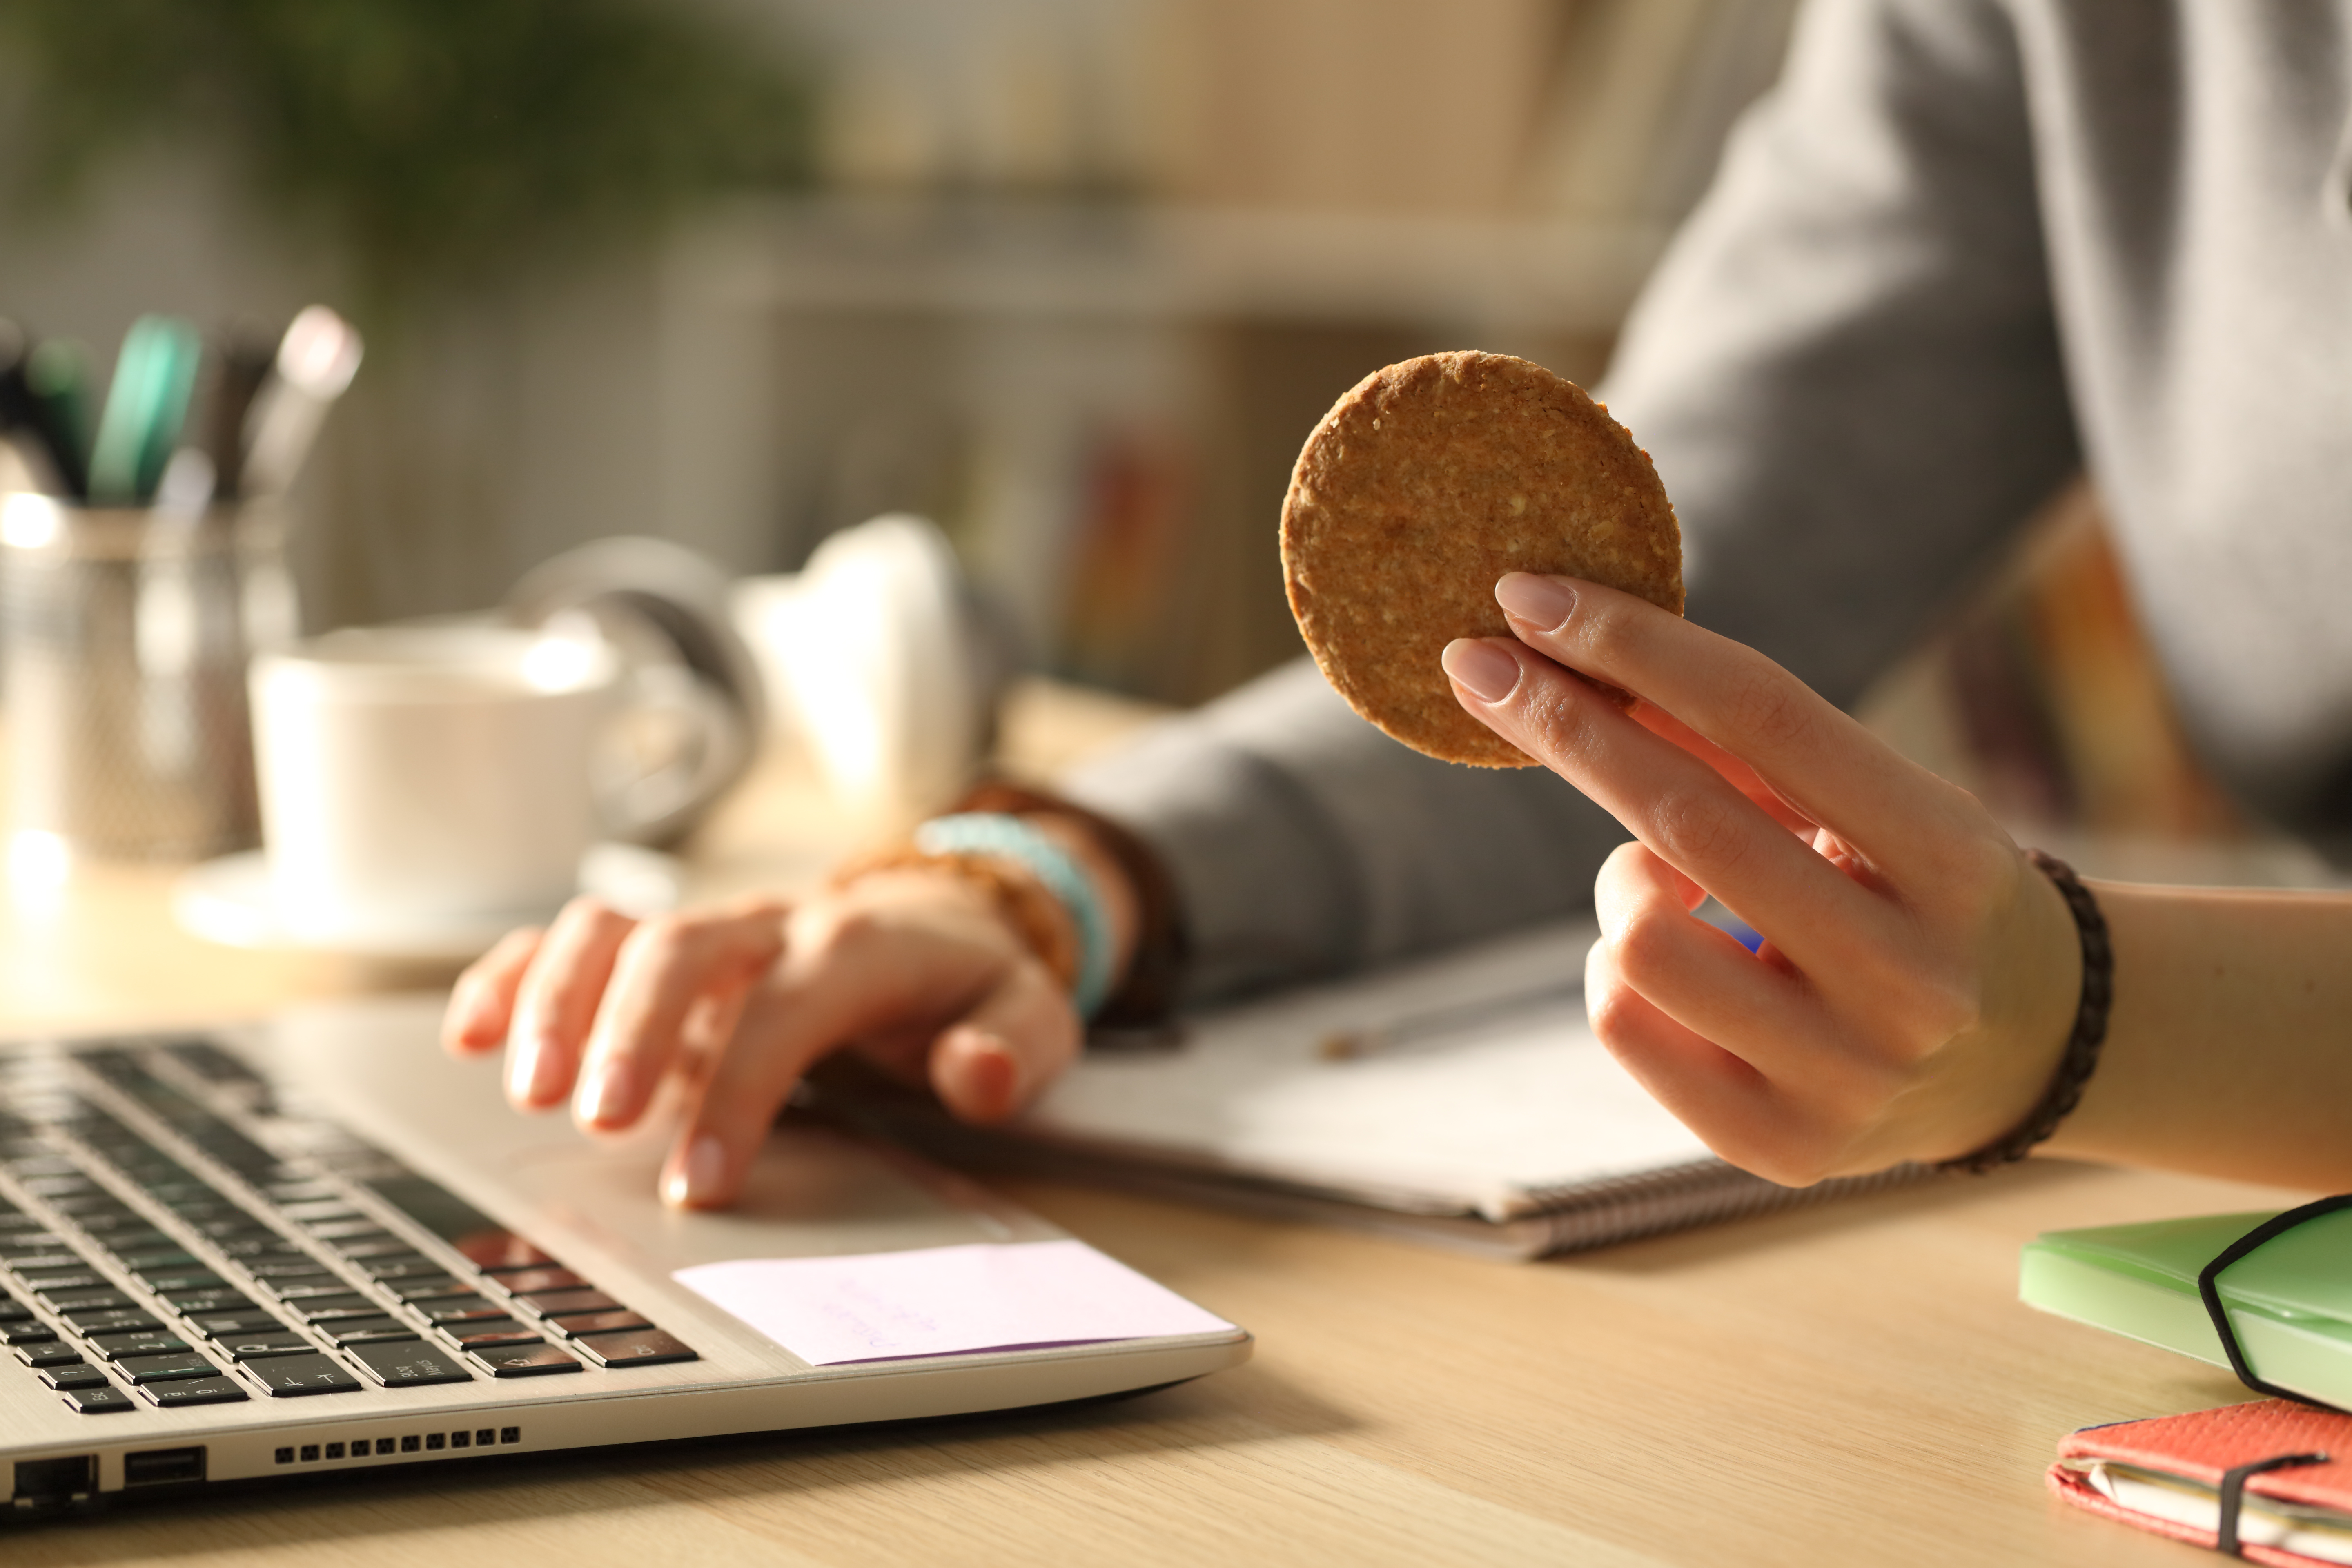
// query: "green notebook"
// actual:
[[2290, 1300]]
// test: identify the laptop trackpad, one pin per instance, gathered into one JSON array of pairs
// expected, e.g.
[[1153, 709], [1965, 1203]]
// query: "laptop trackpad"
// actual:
[[812, 1191]]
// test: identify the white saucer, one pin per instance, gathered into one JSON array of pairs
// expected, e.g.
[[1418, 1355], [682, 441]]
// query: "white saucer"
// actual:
[[232, 901]]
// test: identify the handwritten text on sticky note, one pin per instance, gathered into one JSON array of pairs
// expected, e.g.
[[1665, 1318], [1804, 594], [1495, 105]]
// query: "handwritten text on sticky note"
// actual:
[[945, 1301]]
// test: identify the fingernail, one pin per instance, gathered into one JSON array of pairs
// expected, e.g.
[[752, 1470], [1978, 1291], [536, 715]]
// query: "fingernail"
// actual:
[[1546, 601], [994, 1079], [606, 1095], [542, 1071], [695, 1178], [1485, 669], [522, 1065]]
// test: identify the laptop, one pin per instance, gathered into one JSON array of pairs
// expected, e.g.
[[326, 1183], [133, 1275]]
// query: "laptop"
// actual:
[[319, 1244]]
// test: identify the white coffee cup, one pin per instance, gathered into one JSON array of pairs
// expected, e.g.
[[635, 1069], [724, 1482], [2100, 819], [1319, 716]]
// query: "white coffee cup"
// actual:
[[414, 774]]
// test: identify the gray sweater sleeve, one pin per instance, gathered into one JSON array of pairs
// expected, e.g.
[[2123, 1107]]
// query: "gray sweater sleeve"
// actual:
[[1847, 373]]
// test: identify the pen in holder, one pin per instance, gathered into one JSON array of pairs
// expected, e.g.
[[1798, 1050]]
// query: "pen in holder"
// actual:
[[125, 637]]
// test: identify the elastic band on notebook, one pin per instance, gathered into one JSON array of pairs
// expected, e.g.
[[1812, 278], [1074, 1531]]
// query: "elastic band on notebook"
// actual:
[[2233, 1495], [2209, 1290]]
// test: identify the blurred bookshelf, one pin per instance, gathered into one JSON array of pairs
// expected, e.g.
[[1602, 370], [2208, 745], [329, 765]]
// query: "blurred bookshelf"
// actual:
[[1075, 277], [1084, 276], [1100, 402]]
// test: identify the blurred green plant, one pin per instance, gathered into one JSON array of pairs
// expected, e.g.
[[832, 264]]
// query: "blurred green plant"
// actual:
[[433, 142]]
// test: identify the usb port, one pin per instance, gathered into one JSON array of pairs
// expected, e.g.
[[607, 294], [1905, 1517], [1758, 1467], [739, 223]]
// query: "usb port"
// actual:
[[161, 1466]]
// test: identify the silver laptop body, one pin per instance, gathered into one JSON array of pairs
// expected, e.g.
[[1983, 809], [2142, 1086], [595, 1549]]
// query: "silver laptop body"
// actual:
[[321, 1244]]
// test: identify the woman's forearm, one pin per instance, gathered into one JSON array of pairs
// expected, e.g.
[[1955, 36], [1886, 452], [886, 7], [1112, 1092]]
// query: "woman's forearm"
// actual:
[[2230, 1047]]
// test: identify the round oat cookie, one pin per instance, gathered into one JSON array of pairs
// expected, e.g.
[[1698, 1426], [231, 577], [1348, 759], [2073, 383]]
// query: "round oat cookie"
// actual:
[[1423, 485]]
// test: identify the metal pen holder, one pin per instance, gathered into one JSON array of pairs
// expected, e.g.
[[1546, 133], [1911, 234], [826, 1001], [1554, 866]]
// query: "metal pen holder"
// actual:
[[125, 637]]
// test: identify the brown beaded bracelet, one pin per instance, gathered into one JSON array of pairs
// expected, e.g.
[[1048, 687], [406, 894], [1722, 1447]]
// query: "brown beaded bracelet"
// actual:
[[2082, 1055], [1026, 904]]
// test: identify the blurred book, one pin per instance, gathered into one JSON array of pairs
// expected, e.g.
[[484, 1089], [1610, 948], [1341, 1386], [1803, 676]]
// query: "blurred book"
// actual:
[[1371, 104], [1125, 575]]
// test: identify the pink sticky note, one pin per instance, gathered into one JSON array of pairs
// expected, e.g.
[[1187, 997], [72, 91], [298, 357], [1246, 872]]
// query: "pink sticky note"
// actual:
[[945, 1301]]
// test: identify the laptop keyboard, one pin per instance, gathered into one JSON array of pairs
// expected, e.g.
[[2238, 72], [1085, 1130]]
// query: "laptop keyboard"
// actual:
[[183, 1263]]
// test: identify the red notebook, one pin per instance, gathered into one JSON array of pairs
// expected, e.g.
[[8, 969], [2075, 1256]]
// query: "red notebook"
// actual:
[[2289, 1467]]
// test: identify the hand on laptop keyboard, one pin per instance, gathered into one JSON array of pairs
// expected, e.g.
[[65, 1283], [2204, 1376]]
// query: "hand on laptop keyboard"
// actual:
[[160, 1243], [919, 970]]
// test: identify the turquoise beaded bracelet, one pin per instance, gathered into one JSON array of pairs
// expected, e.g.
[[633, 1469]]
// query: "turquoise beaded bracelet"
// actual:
[[1012, 838]]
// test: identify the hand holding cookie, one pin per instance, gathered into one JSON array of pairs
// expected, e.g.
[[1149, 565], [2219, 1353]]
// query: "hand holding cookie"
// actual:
[[1918, 977]]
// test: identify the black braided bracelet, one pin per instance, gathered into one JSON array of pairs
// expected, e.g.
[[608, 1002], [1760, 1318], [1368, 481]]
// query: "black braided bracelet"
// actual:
[[2081, 1057]]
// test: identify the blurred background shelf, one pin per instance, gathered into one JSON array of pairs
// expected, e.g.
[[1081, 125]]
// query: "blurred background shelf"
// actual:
[[1100, 401], [1111, 259], [1073, 277]]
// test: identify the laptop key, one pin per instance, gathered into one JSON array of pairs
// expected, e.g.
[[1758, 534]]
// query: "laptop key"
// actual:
[[235, 1225], [121, 1225], [212, 1325], [298, 1266], [312, 1289], [255, 1347], [411, 1363], [157, 1258], [106, 1401], [97, 1211], [365, 1330], [294, 1376], [523, 1281], [337, 1308], [61, 1184], [26, 1333], [548, 1304], [79, 1275], [641, 1347], [54, 1354], [153, 1341], [579, 1323], [112, 1321], [37, 1262], [303, 1190], [86, 1301], [502, 1332], [431, 1288], [180, 1394], [166, 1279], [394, 1266], [526, 1360], [81, 1375], [165, 1368], [477, 1310], [219, 1300], [501, 1251]]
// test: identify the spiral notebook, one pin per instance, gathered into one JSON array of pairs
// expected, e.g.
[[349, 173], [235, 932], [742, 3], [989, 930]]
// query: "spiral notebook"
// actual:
[[1461, 1100]]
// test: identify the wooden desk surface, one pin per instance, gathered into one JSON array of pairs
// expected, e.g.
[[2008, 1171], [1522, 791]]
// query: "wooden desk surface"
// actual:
[[1851, 1384]]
